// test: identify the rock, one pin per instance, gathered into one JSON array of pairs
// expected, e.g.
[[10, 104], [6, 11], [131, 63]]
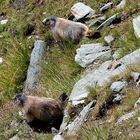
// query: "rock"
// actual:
[[136, 77], [19, 4], [109, 39], [4, 21], [117, 98], [95, 21], [126, 117], [58, 137], [137, 104], [72, 128], [34, 69], [1, 60], [139, 119], [116, 54], [108, 21], [80, 10], [121, 5], [118, 86], [136, 26], [103, 75], [90, 53], [106, 6], [14, 138]]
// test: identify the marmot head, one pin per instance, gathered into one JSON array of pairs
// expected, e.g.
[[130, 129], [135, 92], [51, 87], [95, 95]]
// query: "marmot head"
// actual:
[[20, 99], [50, 21]]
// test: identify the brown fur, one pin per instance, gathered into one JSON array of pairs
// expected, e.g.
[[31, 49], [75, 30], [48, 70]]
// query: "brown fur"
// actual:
[[41, 108], [64, 29]]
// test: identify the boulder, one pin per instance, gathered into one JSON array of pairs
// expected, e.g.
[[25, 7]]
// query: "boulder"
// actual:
[[90, 53], [106, 6], [80, 10], [34, 69], [118, 86], [136, 26], [103, 75]]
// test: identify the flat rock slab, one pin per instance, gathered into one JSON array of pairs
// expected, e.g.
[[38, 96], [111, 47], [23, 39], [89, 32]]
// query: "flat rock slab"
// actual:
[[90, 53], [103, 75], [136, 26], [35, 65], [108, 21], [80, 10]]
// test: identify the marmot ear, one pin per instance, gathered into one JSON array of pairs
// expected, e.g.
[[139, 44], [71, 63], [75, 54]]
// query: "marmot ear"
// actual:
[[63, 97]]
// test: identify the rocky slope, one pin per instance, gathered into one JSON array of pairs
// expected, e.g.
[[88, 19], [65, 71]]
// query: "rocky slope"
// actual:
[[101, 74]]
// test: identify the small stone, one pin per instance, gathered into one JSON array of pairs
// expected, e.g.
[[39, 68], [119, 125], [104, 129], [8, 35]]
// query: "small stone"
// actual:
[[137, 104], [118, 86], [117, 99], [14, 138], [121, 5], [1, 60], [106, 6], [109, 39], [135, 76], [2, 22], [80, 10], [116, 54], [136, 26], [44, 13], [139, 119]]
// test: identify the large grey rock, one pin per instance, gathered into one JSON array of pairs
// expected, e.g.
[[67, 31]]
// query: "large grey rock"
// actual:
[[108, 21], [106, 6], [126, 117], [80, 10], [90, 53], [121, 5], [118, 86], [136, 26], [137, 104], [109, 39], [103, 75], [34, 69]]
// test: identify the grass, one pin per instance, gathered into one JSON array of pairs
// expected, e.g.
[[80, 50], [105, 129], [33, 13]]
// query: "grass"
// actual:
[[60, 72]]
